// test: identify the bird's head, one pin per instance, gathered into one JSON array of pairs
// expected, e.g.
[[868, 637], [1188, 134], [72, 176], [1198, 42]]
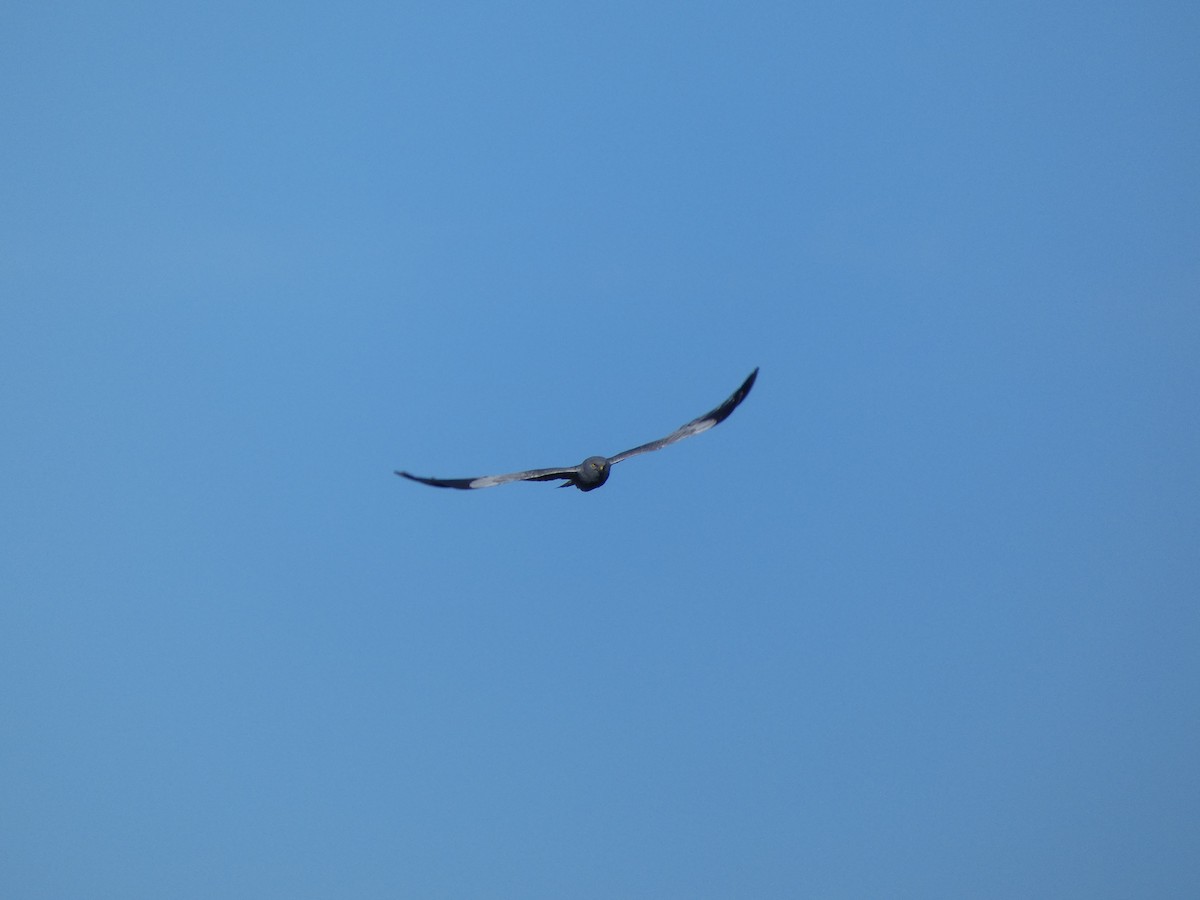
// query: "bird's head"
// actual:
[[593, 472]]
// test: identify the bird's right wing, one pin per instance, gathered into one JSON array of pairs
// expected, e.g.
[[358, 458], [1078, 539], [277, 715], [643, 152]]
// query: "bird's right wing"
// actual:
[[485, 481]]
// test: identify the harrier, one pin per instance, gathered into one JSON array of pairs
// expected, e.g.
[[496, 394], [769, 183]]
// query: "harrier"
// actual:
[[593, 471]]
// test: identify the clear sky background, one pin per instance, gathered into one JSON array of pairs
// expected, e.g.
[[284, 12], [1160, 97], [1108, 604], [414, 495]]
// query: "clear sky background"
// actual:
[[919, 620]]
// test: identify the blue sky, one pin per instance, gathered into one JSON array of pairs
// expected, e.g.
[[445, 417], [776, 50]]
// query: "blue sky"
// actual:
[[919, 620]]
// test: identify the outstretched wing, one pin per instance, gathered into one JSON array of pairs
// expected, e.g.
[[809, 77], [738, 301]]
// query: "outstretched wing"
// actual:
[[466, 484], [705, 422]]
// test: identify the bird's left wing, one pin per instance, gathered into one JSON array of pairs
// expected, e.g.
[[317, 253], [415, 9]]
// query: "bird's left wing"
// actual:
[[696, 426], [485, 481]]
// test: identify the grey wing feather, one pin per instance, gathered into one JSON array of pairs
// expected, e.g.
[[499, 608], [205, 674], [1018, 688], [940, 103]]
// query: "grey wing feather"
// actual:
[[696, 426], [485, 481]]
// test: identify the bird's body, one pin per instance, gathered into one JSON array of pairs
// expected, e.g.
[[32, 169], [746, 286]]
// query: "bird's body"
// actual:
[[594, 471]]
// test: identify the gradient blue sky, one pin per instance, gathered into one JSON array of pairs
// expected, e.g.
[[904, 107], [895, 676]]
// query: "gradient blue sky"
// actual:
[[920, 620]]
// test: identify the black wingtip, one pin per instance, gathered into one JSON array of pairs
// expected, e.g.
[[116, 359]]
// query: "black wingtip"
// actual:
[[721, 413]]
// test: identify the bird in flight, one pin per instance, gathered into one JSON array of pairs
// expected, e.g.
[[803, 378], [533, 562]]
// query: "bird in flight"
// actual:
[[593, 471]]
